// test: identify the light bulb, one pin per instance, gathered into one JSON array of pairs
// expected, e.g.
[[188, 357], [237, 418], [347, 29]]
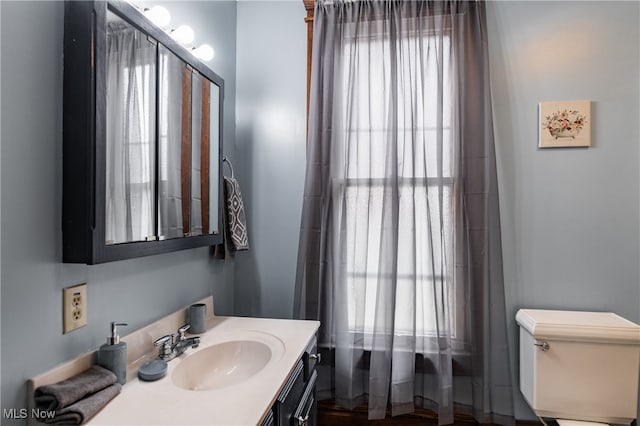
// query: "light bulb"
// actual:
[[159, 15], [183, 34], [204, 52]]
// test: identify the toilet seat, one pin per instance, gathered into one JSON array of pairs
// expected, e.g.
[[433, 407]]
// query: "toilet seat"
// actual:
[[564, 422]]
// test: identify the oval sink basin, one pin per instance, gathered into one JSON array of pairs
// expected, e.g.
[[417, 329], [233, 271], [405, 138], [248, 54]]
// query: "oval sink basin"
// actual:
[[221, 365]]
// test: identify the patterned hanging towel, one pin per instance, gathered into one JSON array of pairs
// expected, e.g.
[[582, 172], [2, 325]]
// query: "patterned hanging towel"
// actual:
[[234, 219], [236, 222]]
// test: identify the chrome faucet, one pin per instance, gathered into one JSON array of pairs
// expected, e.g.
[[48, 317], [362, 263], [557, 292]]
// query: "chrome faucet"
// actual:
[[174, 345]]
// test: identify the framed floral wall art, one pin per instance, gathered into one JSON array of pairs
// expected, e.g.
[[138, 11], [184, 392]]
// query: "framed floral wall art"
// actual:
[[564, 124]]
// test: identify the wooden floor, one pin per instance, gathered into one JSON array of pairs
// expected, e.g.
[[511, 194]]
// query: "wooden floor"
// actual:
[[330, 414]]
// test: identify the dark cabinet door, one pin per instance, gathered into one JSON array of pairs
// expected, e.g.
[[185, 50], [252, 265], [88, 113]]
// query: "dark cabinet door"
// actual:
[[287, 401], [310, 358], [296, 404], [305, 412]]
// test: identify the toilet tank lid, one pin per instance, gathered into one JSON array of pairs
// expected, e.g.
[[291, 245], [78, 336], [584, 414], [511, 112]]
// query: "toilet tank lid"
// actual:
[[604, 327]]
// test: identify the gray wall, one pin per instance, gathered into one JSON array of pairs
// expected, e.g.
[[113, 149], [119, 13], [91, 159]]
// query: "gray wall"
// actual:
[[135, 291], [570, 217], [270, 151]]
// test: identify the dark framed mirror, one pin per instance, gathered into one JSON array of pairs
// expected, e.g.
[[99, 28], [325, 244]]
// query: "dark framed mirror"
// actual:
[[142, 132]]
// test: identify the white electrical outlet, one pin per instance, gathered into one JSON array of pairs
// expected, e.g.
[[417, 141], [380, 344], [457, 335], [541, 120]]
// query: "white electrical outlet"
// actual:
[[74, 307]]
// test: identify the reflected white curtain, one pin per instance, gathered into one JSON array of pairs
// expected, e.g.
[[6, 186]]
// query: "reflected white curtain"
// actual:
[[131, 127], [170, 206], [399, 254]]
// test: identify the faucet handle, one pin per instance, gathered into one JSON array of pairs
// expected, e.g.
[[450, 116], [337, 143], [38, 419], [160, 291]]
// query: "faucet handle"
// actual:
[[163, 340], [165, 346], [196, 342], [183, 330]]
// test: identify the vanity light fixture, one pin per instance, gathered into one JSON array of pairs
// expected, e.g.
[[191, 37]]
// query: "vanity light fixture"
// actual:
[[204, 52], [183, 34], [159, 15]]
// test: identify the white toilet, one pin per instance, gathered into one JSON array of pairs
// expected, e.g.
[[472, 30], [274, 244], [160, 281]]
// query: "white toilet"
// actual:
[[580, 368]]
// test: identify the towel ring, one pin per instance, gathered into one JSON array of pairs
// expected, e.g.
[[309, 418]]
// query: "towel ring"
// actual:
[[226, 160]]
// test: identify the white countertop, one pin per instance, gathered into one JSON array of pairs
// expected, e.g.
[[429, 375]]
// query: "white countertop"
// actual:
[[163, 403]]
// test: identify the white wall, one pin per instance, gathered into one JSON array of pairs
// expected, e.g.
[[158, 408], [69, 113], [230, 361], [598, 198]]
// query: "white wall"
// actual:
[[570, 217], [135, 291]]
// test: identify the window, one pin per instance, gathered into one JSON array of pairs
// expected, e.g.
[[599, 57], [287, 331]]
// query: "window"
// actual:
[[402, 138]]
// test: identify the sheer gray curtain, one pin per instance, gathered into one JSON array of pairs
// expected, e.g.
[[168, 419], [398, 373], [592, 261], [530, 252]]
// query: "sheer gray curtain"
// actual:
[[400, 253]]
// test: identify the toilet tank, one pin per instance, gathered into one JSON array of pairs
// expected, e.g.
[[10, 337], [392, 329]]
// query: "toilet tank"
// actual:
[[579, 365]]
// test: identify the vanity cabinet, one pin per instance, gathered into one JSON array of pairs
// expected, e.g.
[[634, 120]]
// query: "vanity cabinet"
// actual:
[[296, 403], [142, 138]]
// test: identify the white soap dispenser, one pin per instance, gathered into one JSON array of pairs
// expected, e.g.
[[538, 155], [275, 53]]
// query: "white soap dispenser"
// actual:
[[113, 354]]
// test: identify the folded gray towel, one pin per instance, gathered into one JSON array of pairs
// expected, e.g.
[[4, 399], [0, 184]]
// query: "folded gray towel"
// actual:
[[83, 410], [62, 394]]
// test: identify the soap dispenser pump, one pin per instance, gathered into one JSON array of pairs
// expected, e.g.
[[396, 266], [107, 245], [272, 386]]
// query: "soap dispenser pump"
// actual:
[[113, 354]]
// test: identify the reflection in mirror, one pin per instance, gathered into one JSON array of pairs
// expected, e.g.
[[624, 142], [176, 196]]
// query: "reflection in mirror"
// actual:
[[205, 131], [174, 120], [199, 152], [214, 157], [188, 151], [130, 134]]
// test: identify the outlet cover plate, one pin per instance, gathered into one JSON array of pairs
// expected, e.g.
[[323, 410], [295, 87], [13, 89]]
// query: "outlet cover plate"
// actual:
[[74, 307]]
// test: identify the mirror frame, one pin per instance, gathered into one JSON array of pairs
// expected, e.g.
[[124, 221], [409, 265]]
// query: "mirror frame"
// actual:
[[84, 135]]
